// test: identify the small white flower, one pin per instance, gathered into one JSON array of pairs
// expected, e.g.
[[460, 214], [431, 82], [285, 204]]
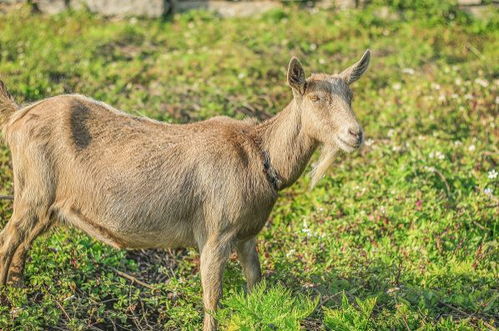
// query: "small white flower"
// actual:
[[369, 142], [313, 47], [431, 169], [471, 148], [468, 96], [458, 143], [408, 71], [492, 174], [393, 289], [442, 98], [322, 61], [437, 155], [241, 75], [454, 96], [290, 253], [435, 86], [488, 191], [390, 133], [458, 81], [397, 86], [482, 82]]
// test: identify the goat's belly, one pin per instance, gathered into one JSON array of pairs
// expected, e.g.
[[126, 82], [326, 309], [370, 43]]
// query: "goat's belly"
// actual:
[[132, 233]]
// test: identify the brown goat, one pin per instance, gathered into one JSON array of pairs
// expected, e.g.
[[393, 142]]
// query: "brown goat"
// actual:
[[133, 182]]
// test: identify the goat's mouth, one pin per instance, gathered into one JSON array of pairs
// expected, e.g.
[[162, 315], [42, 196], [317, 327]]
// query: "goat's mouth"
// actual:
[[347, 146]]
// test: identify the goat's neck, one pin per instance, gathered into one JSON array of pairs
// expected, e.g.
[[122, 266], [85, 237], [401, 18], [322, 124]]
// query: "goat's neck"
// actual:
[[288, 147]]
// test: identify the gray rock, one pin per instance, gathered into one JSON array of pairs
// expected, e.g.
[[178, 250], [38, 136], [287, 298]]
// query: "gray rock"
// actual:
[[151, 8], [51, 6], [469, 2], [229, 9], [481, 11]]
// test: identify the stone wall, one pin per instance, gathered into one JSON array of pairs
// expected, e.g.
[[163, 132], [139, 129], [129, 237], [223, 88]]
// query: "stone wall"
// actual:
[[158, 8]]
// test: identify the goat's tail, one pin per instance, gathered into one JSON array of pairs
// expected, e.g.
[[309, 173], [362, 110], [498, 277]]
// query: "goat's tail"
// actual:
[[7, 105]]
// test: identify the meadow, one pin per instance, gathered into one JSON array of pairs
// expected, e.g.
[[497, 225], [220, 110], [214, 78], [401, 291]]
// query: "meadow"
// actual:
[[402, 235]]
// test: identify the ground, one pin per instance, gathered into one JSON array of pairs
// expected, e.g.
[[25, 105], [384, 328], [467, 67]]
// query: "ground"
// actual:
[[401, 235]]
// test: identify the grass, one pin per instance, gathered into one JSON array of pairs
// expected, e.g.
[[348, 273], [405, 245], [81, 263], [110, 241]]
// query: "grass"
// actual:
[[402, 235]]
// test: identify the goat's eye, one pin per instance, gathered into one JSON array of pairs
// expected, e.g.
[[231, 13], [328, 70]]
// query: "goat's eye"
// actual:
[[315, 98]]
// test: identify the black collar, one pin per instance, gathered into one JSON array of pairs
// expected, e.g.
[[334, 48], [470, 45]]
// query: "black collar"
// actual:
[[270, 172]]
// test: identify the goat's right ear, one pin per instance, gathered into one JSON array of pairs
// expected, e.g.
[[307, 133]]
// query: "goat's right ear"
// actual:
[[296, 76]]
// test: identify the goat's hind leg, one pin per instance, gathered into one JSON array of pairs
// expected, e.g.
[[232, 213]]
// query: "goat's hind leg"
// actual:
[[13, 235], [16, 270]]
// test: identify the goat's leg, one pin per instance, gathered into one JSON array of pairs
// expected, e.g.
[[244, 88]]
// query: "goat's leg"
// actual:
[[248, 256], [214, 255], [13, 235], [16, 271]]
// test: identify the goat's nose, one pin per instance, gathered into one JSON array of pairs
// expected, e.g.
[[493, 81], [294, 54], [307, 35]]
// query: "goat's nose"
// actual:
[[356, 133]]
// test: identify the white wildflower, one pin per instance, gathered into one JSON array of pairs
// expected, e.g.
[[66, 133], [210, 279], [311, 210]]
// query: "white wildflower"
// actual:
[[322, 61], [393, 289], [397, 86], [458, 143], [408, 71], [468, 96], [435, 86], [488, 191], [241, 75], [458, 81], [291, 252], [492, 174], [369, 142], [454, 96], [437, 155], [482, 82], [442, 98], [471, 148], [390, 133], [313, 47]]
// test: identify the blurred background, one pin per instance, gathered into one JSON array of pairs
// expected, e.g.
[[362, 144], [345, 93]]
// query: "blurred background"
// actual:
[[400, 235]]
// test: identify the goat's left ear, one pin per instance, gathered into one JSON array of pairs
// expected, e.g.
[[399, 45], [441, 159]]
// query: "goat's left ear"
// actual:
[[296, 76], [353, 73]]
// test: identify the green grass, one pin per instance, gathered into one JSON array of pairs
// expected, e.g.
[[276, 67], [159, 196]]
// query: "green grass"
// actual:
[[402, 235]]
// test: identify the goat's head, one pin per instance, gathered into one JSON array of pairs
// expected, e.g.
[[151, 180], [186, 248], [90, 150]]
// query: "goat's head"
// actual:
[[326, 104]]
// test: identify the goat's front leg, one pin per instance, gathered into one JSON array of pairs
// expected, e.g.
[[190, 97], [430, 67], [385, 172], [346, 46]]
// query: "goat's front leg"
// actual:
[[248, 256], [214, 255]]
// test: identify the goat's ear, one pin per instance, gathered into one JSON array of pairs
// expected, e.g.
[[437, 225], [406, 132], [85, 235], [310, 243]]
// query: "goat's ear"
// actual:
[[353, 73], [296, 76]]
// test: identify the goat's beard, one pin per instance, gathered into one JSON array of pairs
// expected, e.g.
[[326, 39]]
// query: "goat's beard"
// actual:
[[325, 160]]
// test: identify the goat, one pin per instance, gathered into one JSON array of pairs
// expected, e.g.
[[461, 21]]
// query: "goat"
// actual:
[[133, 182]]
